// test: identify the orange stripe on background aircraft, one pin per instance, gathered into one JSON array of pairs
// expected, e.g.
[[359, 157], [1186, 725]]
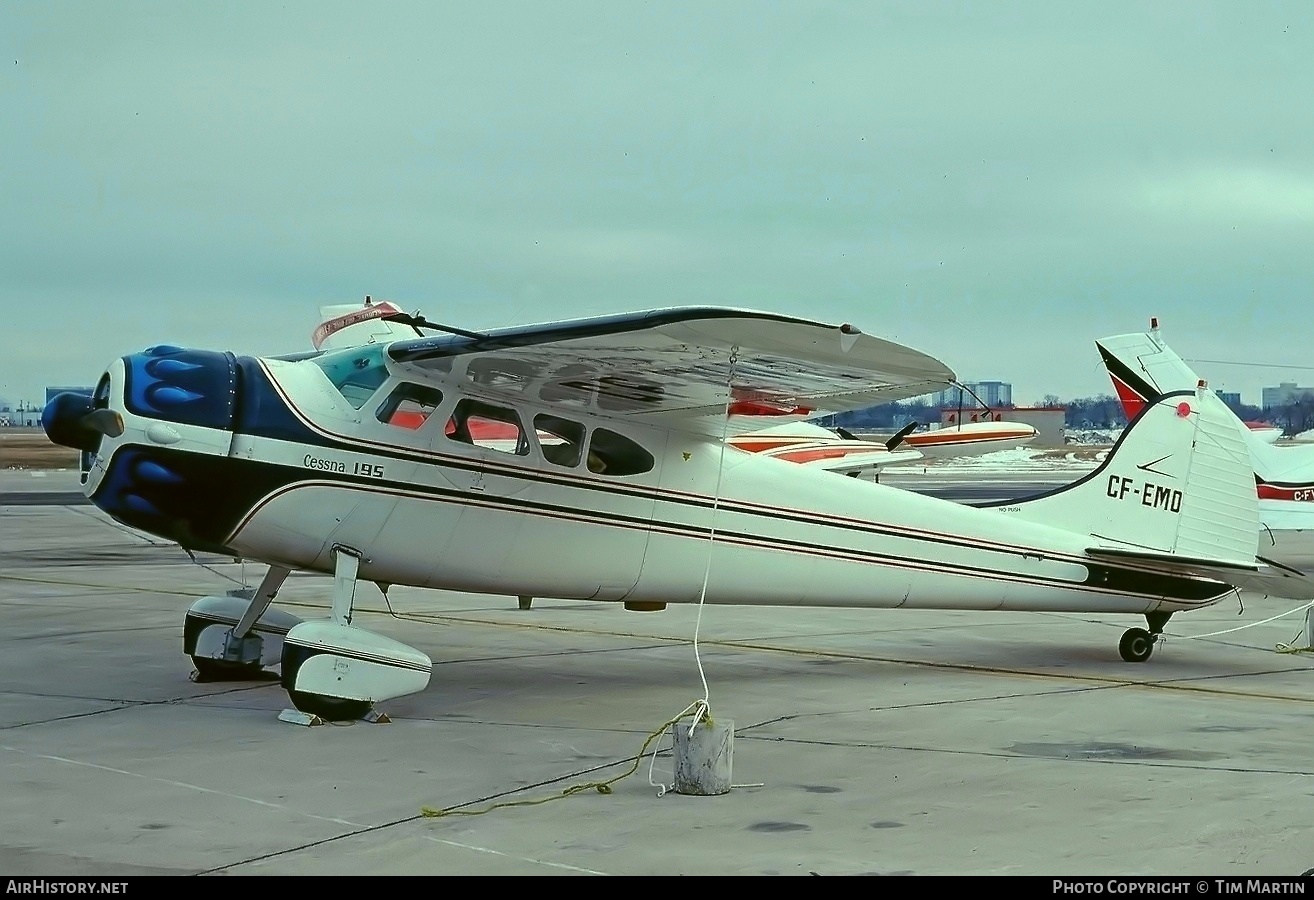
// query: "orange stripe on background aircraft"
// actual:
[[810, 444]]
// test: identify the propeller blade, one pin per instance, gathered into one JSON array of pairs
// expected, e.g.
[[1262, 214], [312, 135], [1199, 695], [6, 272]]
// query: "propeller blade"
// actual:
[[846, 434], [104, 421], [903, 433]]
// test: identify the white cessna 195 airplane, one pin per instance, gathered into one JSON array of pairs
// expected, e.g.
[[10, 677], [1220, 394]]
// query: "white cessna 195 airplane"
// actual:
[[619, 486]]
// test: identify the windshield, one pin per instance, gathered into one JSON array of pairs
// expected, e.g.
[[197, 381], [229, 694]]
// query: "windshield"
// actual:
[[357, 372]]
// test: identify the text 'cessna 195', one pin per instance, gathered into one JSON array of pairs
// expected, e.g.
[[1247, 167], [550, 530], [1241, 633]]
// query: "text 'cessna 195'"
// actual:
[[614, 480]]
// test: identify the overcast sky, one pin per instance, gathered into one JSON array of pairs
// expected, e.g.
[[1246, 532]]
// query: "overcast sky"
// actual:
[[995, 183]]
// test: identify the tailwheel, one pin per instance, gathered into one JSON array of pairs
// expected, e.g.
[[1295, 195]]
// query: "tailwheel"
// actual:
[[1136, 645], [333, 709]]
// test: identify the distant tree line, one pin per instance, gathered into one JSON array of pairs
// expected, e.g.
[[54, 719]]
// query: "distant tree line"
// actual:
[[1103, 411]]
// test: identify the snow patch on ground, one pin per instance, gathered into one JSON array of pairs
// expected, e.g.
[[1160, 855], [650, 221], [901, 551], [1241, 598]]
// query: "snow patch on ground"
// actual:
[[1024, 459]]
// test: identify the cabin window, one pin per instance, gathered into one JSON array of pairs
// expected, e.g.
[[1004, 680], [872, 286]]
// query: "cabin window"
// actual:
[[410, 405], [489, 426], [356, 372], [561, 440], [615, 454]]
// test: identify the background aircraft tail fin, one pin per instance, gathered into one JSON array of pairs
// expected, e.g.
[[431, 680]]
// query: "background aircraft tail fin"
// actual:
[[1178, 484], [1143, 367], [352, 325]]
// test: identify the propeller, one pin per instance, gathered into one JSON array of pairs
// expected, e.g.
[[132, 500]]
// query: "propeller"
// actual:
[[105, 421], [902, 433], [70, 421]]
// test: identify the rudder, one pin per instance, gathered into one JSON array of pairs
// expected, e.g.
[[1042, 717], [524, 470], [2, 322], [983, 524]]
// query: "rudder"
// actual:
[[1179, 482]]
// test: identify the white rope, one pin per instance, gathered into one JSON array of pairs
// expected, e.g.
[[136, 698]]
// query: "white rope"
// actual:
[[711, 535], [703, 707], [1192, 637]]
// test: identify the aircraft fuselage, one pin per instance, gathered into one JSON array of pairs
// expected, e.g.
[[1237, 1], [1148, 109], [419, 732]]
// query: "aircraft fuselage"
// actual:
[[282, 461]]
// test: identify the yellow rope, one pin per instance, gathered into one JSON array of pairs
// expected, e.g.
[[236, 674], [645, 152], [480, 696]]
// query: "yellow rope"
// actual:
[[1287, 648], [602, 787]]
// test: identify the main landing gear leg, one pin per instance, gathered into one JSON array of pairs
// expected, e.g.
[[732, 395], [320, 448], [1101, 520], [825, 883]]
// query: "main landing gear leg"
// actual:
[[345, 565], [1137, 643], [234, 637], [336, 670]]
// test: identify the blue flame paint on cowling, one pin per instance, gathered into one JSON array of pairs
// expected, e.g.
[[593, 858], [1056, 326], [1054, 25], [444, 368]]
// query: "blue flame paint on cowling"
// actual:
[[148, 471], [191, 387], [193, 499], [137, 490]]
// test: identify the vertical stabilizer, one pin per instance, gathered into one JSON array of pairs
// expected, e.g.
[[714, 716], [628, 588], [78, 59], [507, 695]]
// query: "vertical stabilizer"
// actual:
[[1179, 482], [352, 325]]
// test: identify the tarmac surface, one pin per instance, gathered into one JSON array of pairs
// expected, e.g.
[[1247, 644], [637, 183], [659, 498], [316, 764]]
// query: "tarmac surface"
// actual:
[[865, 742]]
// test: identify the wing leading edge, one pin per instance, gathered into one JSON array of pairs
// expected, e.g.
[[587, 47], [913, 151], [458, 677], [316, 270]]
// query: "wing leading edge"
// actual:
[[685, 367]]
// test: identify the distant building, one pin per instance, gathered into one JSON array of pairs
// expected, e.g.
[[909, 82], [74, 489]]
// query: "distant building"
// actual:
[[1229, 397], [51, 392], [994, 394], [1285, 394], [19, 416]]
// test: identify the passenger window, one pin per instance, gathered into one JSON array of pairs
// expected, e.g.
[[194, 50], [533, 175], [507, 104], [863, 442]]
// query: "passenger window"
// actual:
[[561, 440], [485, 425], [410, 405], [615, 454]]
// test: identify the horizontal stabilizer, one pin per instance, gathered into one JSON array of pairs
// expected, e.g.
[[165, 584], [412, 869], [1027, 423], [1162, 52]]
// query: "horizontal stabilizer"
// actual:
[[1187, 563], [1265, 577]]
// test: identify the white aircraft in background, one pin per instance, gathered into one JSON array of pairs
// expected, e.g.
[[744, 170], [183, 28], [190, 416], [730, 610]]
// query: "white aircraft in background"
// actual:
[[1143, 367], [359, 462], [809, 444]]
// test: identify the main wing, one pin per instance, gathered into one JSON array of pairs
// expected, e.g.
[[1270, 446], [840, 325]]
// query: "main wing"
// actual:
[[684, 368]]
